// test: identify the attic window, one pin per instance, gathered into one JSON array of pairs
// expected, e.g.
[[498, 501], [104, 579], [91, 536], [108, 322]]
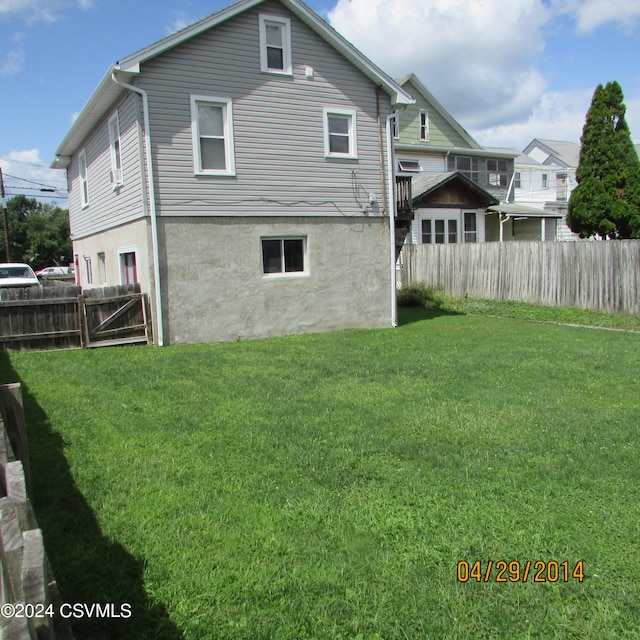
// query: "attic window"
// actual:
[[409, 165], [275, 44], [424, 125]]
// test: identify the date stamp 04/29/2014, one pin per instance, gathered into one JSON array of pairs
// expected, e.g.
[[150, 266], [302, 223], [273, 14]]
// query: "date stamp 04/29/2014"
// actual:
[[516, 571]]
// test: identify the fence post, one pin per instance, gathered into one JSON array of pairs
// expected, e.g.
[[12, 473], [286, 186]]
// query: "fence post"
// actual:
[[12, 412]]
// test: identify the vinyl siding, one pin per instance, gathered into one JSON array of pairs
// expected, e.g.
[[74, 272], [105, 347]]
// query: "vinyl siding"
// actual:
[[441, 133], [277, 120], [109, 208]]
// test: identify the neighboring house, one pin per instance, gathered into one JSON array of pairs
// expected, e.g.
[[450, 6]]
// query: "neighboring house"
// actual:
[[545, 178], [452, 178], [239, 170]]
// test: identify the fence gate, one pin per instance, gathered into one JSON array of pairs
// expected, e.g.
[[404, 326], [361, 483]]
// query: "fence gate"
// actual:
[[115, 318]]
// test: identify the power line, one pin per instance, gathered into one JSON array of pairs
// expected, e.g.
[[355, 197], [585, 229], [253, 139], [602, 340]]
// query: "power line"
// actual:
[[41, 184]]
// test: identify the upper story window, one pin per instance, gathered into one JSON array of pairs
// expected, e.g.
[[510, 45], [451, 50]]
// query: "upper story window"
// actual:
[[545, 181], [409, 165], [212, 130], [497, 173], [465, 165], [275, 44], [424, 125], [116, 151], [84, 180], [340, 135], [517, 181]]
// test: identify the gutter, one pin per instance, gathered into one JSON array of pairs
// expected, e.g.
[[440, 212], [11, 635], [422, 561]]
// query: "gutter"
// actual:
[[152, 201], [391, 207]]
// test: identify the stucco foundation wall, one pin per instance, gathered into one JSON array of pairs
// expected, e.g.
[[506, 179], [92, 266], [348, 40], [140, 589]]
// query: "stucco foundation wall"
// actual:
[[214, 289], [130, 237]]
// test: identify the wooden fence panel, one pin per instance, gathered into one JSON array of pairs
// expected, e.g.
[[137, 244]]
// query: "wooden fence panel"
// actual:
[[604, 276], [37, 318], [64, 317]]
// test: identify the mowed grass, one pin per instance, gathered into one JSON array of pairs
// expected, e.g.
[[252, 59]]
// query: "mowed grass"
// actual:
[[327, 486]]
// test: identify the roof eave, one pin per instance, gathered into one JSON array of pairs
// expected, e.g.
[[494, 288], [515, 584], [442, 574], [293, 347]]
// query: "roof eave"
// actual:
[[101, 100]]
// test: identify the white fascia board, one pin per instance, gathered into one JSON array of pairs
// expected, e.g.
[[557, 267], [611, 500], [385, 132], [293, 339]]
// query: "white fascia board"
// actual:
[[93, 111]]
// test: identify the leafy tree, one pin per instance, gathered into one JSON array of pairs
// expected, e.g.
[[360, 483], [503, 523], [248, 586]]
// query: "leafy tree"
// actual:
[[606, 201], [38, 233]]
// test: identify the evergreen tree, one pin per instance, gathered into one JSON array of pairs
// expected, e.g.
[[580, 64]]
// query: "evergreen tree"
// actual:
[[606, 201]]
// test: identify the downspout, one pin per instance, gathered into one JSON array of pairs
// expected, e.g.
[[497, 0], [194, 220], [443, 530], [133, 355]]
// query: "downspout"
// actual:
[[152, 201], [391, 207]]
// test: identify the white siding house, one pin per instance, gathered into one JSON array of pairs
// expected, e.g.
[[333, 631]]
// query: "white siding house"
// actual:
[[239, 170], [545, 178]]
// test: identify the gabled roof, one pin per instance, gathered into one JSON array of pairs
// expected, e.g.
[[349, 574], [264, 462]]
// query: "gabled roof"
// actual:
[[422, 186], [427, 95], [127, 68], [560, 152]]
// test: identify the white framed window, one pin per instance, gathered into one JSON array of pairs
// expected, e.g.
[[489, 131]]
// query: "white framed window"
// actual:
[[84, 180], [116, 152], [128, 265], [517, 181], [340, 133], [470, 227], [545, 181], [212, 131], [424, 125], [395, 126], [283, 255], [444, 228], [275, 44], [412, 166]]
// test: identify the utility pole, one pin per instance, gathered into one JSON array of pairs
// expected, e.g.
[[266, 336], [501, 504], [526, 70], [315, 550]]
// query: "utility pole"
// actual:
[[5, 217]]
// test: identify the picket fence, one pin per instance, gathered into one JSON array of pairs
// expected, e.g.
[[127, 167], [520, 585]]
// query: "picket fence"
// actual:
[[601, 276]]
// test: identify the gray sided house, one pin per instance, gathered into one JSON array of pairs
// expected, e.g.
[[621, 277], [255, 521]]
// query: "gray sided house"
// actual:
[[240, 171]]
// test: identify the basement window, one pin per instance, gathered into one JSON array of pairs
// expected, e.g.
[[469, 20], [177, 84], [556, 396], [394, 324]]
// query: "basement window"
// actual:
[[283, 255]]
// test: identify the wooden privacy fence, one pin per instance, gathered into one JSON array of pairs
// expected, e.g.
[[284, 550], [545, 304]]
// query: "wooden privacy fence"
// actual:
[[603, 276], [27, 586], [64, 317]]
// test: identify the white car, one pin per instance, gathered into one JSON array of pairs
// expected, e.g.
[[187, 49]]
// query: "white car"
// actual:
[[17, 274], [53, 271]]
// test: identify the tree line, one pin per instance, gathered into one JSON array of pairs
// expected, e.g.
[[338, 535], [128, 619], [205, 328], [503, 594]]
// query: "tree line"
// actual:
[[38, 234]]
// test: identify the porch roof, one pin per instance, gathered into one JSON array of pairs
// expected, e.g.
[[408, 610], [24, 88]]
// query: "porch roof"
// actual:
[[515, 209]]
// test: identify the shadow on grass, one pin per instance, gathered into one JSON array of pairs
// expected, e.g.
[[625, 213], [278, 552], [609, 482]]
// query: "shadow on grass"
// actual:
[[88, 567], [407, 315]]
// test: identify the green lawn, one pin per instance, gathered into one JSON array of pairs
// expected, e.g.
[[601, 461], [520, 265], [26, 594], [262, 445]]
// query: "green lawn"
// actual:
[[327, 486]]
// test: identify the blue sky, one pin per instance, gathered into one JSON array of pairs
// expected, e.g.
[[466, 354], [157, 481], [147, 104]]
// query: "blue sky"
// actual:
[[508, 71]]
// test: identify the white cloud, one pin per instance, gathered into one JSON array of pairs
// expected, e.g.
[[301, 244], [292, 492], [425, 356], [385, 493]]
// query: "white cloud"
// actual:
[[14, 60], [478, 58], [180, 21], [591, 14], [556, 116], [25, 173]]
